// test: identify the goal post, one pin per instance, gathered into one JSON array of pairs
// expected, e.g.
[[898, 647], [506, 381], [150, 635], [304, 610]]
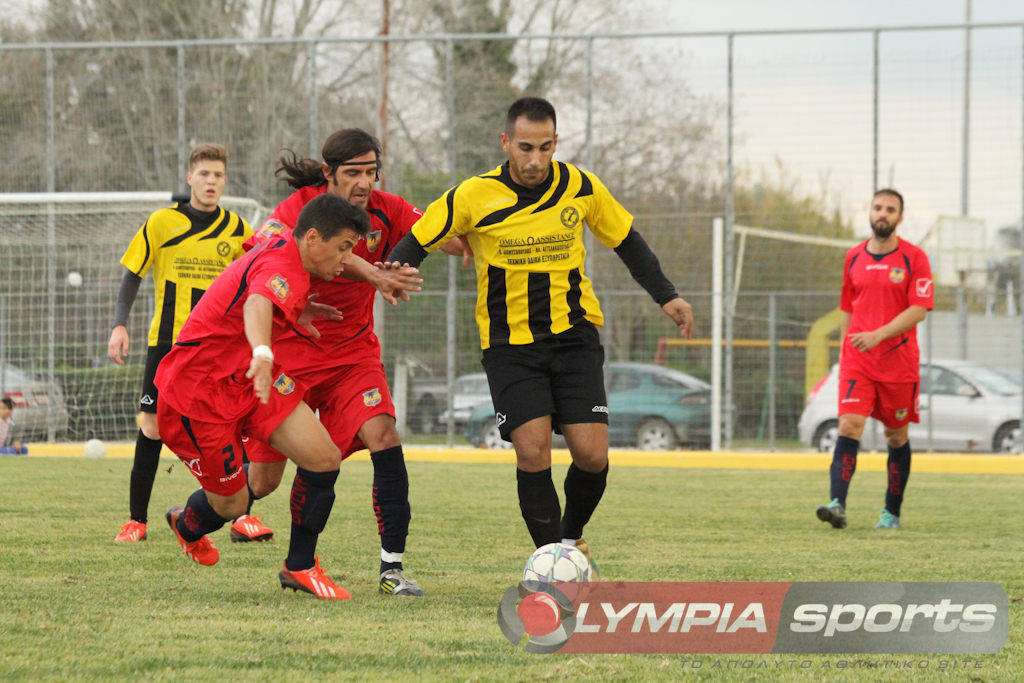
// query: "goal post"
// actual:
[[60, 272]]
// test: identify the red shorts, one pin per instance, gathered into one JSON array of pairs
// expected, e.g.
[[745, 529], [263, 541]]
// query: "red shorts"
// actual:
[[894, 404], [212, 451], [346, 397]]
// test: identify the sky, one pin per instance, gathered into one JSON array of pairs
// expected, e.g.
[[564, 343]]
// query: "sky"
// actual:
[[803, 102], [806, 102]]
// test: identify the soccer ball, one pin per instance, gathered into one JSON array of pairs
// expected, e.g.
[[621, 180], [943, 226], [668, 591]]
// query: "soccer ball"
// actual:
[[557, 562], [94, 448]]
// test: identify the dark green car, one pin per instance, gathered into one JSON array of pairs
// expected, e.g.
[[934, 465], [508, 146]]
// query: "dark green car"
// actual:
[[650, 407]]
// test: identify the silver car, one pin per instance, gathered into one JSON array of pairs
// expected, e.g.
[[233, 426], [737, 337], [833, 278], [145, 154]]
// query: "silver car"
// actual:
[[470, 391], [32, 403], [974, 408]]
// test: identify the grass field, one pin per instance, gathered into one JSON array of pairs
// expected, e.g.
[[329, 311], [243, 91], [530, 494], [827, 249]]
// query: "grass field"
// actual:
[[76, 606]]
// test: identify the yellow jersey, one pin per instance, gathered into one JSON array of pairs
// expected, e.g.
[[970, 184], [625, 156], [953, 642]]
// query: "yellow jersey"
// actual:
[[186, 249], [528, 248]]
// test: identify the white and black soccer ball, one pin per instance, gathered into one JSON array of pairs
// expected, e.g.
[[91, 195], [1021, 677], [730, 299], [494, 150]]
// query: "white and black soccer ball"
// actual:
[[556, 562]]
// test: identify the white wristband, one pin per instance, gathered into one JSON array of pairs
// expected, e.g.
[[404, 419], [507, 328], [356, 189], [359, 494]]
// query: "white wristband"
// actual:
[[263, 351]]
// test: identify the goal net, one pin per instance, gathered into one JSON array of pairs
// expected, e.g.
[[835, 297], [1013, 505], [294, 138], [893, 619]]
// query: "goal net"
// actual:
[[60, 272]]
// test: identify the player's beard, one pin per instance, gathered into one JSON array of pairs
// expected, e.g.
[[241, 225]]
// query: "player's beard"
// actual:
[[882, 232]]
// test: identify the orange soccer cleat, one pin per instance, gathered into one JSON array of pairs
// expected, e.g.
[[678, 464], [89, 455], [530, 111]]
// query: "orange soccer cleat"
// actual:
[[131, 532], [202, 551], [249, 528], [312, 581]]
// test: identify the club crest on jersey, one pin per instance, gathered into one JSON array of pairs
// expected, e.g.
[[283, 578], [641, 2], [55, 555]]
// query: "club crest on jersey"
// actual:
[[897, 275], [270, 228], [279, 285], [901, 414], [570, 217], [223, 249], [372, 397], [284, 384], [373, 241]]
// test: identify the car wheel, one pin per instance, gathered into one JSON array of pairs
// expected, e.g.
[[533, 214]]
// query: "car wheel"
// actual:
[[490, 437], [825, 436], [1007, 438], [655, 435]]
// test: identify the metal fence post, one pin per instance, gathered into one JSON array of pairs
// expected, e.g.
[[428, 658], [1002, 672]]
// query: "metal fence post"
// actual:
[[730, 219]]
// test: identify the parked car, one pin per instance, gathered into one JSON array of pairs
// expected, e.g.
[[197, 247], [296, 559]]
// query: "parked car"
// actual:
[[974, 407], [33, 404], [470, 391], [649, 407]]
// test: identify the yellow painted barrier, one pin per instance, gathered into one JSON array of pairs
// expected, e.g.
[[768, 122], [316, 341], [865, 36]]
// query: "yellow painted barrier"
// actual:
[[739, 460]]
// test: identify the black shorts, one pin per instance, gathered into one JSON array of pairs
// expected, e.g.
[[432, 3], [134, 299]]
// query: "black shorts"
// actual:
[[561, 376], [154, 354]]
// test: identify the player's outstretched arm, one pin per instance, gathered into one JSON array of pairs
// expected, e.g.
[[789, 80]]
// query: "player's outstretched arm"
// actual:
[[682, 315], [459, 247], [119, 344], [395, 281], [315, 310], [643, 265], [258, 315]]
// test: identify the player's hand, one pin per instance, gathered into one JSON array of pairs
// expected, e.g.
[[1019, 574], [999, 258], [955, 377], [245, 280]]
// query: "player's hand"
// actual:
[[117, 347], [863, 341], [682, 315], [315, 310], [259, 372], [459, 247], [395, 281]]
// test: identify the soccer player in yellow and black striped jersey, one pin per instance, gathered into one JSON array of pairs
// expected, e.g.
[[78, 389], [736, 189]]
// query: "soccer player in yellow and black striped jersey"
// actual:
[[186, 246], [536, 309]]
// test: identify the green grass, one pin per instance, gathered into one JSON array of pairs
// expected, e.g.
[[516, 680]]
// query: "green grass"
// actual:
[[76, 606]]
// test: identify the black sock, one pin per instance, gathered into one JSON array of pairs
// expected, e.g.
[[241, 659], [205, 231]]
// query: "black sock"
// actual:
[[252, 496], [144, 467], [199, 517], [311, 502], [583, 491], [391, 501], [898, 468], [538, 502], [844, 464]]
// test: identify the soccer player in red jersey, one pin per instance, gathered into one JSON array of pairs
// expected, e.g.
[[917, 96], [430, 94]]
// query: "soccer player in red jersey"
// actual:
[[887, 291], [221, 379], [350, 390]]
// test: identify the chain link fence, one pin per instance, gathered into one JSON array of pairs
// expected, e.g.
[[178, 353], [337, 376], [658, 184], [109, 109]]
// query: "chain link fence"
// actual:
[[786, 131]]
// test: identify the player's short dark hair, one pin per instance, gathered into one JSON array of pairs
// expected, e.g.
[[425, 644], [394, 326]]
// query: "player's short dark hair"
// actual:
[[8, 401], [340, 146], [208, 151], [535, 109], [891, 193], [329, 214]]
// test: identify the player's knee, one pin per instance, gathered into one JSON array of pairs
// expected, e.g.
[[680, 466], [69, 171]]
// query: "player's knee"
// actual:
[[851, 426], [149, 426], [230, 507], [896, 439], [264, 478], [324, 457], [379, 433], [590, 461]]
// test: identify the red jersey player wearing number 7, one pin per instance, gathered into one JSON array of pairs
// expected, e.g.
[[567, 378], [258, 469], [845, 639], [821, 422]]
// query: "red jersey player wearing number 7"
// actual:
[[887, 291], [221, 379]]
